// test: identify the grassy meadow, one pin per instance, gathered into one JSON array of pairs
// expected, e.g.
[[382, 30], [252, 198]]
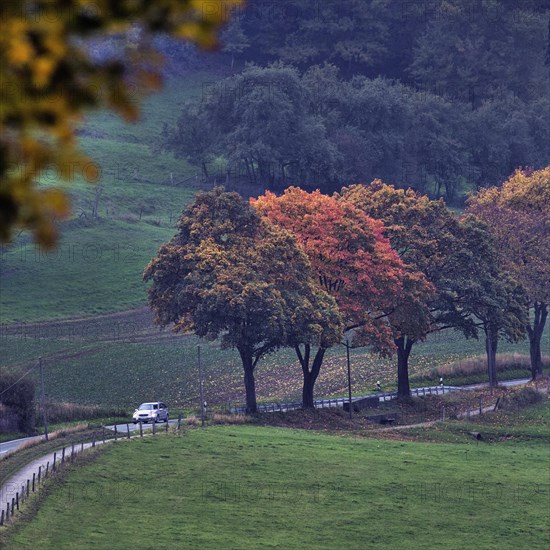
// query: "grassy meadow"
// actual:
[[98, 264], [241, 487]]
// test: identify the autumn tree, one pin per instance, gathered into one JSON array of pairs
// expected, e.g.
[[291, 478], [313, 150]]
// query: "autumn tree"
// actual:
[[49, 77], [518, 215], [228, 274], [353, 262], [449, 253]]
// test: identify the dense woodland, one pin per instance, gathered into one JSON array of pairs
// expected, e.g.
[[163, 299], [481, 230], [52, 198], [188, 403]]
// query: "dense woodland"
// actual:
[[446, 96]]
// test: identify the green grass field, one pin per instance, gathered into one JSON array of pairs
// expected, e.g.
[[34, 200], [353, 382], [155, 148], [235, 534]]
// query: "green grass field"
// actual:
[[98, 264], [509, 425], [240, 487]]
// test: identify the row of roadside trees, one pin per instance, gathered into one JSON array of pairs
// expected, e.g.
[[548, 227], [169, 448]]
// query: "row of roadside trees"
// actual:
[[303, 269]]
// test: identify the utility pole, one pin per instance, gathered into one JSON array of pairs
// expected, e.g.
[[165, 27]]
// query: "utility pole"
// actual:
[[43, 399], [200, 384], [349, 379]]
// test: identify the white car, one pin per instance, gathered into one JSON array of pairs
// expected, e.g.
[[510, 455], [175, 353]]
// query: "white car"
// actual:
[[156, 411]]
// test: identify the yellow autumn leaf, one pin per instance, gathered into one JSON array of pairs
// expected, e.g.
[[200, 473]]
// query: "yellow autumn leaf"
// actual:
[[20, 52], [43, 68]]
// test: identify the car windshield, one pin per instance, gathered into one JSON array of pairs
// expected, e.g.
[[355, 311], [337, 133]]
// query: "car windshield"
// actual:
[[146, 407]]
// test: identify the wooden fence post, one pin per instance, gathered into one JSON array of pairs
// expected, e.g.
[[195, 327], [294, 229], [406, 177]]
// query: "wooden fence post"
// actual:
[[63, 455], [47, 468], [28, 487], [140, 428], [128, 430], [154, 424], [115, 433], [72, 452], [93, 441], [17, 500], [54, 459], [2, 518], [480, 405], [7, 512], [39, 474], [33, 479], [82, 447], [166, 423], [179, 420]]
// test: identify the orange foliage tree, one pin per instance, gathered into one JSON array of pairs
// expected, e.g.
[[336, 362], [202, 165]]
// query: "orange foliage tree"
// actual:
[[353, 261]]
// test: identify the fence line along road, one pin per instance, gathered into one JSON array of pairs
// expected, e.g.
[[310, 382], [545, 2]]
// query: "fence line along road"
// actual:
[[28, 479], [340, 401]]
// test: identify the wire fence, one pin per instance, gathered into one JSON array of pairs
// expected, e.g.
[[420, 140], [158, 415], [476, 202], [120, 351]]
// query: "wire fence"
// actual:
[[18, 489]]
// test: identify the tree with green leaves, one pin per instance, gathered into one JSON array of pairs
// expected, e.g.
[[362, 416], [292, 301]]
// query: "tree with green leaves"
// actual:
[[490, 296], [259, 121], [234, 40], [230, 275]]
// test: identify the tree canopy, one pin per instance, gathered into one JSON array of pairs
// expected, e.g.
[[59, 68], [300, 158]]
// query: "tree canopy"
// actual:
[[518, 217], [230, 275], [276, 126], [456, 258], [353, 262]]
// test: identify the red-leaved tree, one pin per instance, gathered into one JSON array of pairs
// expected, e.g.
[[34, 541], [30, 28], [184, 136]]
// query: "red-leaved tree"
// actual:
[[354, 262]]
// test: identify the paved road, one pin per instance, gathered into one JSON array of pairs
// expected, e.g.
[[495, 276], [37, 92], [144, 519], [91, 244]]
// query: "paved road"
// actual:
[[10, 446], [14, 444], [16, 483], [506, 383]]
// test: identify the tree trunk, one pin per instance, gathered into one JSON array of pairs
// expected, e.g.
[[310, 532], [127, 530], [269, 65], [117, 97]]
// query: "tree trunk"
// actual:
[[307, 391], [204, 170], [249, 172], [535, 333], [249, 382], [310, 374], [491, 343], [404, 347]]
